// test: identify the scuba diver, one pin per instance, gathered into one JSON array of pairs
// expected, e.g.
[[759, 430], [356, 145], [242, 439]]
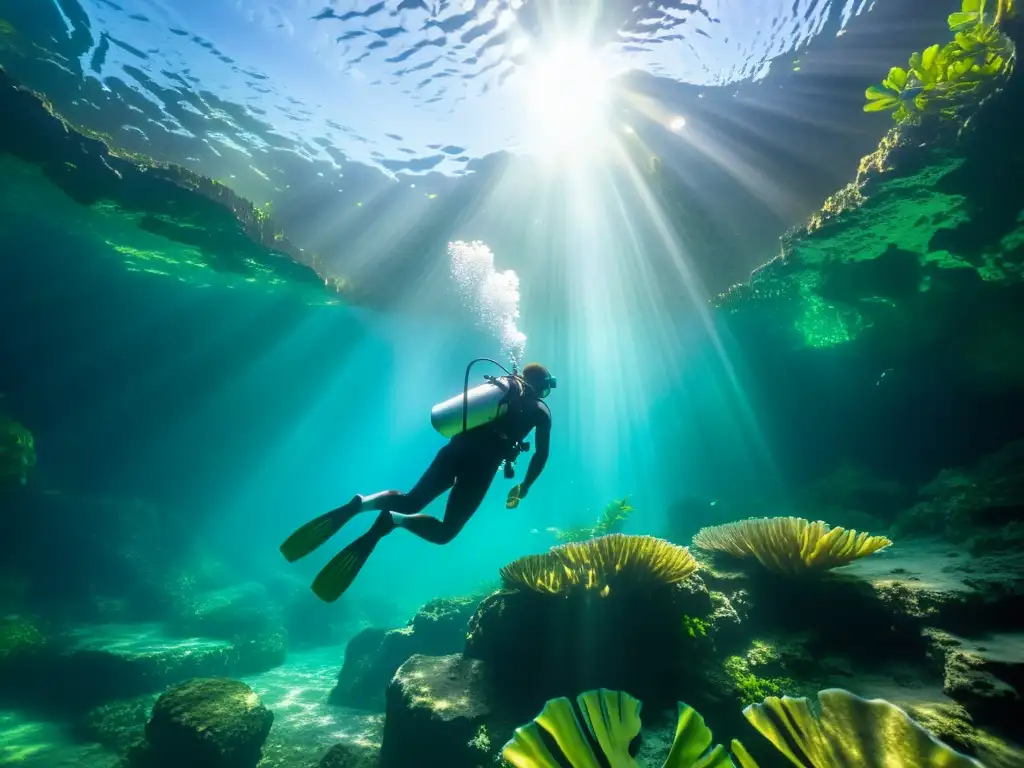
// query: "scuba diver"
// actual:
[[487, 427]]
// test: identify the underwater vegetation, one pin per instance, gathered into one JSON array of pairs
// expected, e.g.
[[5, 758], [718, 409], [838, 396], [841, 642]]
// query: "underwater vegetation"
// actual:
[[939, 78], [790, 544], [848, 730], [611, 520], [17, 451]]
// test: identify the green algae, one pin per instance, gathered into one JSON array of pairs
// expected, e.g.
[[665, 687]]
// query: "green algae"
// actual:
[[754, 675]]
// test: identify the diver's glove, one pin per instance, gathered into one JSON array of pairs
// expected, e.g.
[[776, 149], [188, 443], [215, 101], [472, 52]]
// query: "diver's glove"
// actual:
[[517, 494]]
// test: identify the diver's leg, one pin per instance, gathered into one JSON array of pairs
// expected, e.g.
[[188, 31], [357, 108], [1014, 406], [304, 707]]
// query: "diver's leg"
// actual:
[[467, 494], [438, 478], [339, 574]]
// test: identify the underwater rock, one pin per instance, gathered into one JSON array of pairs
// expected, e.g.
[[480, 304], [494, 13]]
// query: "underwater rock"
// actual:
[[651, 641], [374, 655], [243, 609], [985, 675], [119, 725], [205, 723], [86, 667], [17, 452], [350, 756], [898, 308], [436, 711], [225, 232], [980, 505], [893, 595]]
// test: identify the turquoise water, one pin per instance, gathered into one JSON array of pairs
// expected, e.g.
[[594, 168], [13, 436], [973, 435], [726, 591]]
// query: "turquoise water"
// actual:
[[309, 217]]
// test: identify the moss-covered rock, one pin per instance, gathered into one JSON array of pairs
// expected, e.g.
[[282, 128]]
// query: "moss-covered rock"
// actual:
[[17, 452], [650, 640], [981, 506], [205, 723], [241, 609], [374, 655], [437, 710], [214, 228], [984, 674], [350, 756], [897, 309], [81, 669]]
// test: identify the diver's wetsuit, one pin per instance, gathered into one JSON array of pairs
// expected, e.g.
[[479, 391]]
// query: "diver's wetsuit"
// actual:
[[468, 465]]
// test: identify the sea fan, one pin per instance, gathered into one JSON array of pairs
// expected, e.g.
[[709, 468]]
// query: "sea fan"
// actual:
[[789, 544], [597, 563]]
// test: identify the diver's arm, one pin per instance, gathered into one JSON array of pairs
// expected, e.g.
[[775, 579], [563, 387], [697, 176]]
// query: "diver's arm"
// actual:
[[542, 440]]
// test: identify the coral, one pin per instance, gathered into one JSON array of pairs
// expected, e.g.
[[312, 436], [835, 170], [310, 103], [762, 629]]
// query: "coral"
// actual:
[[207, 723], [940, 76], [612, 720], [850, 730], [17, 451], [599, 563], [790, 544]]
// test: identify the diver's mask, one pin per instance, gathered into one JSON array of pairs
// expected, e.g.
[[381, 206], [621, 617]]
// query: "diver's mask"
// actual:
[[549, 383]]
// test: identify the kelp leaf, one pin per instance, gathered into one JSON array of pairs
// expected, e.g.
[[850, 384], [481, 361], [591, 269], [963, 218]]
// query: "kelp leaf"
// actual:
[[930, 57]]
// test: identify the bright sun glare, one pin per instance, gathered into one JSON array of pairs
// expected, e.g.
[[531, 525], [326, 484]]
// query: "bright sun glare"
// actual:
[[568, 97]]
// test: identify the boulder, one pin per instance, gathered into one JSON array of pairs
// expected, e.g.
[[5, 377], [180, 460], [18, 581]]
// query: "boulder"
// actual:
[[374, 655], [240, 610], [75, 671], [205, 723], [650, 640], [350, 756], [437, 714]]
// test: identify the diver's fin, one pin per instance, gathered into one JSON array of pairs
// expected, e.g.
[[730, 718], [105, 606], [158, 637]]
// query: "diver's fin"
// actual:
[[316, 532], [338, 575]]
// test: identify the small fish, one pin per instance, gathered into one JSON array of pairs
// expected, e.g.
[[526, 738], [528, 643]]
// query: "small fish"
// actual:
[[881, 378]]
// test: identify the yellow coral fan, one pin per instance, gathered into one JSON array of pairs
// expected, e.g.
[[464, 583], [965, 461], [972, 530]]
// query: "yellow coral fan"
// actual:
[[790, 544], [850, 731], [593, 564]]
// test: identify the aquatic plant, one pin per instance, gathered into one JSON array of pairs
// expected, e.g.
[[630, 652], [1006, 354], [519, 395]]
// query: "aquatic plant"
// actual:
[[612, 720], [939, 77], [848, 731], [751, 687], [611, 520], [17, 451], [597, 563], [789, 544]]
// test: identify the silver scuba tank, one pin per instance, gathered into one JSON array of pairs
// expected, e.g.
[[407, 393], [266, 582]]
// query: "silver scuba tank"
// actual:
[[483, 404]]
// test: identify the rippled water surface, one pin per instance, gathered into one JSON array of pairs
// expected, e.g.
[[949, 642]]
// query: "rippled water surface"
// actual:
[[406, 85]]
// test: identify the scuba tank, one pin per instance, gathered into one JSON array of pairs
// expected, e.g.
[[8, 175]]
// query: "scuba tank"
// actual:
[[478, 406]]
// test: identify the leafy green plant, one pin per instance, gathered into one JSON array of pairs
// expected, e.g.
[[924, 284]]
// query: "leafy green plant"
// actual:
[[939, 77], [611, 520], [696, 626]]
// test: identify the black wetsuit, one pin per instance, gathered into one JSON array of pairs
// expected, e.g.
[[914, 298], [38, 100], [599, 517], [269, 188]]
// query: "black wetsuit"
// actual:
[[468, 464]]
